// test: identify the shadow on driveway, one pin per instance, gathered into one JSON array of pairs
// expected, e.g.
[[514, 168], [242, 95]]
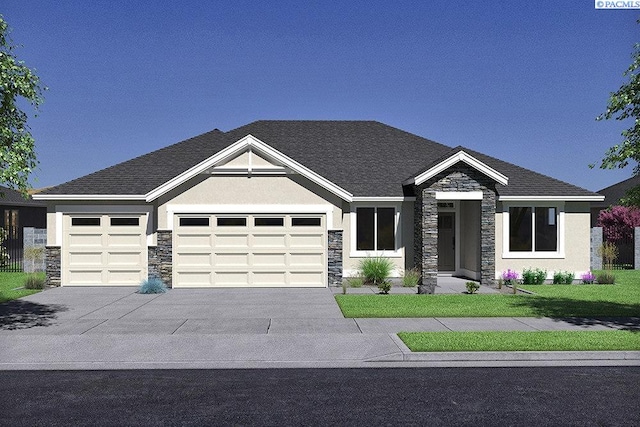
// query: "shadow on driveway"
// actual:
[[18, 314]]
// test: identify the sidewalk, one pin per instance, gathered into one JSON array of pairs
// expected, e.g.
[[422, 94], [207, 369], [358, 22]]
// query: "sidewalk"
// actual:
[[115, 328]]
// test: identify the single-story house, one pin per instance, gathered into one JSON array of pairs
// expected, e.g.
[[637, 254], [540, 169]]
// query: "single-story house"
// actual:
[[612, 196], [301, 203]]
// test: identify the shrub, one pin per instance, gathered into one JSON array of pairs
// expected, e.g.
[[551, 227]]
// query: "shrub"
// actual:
[[411, 278], [588, 278], [4, 255], [375, 270], [533, 276], [563, 278], [35, 281], [472, 287], [606, 278], [609, 253], [355, 282], [385, 287], [152, 286]]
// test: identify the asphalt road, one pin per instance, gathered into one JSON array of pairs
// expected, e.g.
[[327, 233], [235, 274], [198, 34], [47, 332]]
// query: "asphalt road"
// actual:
[[561, 396]]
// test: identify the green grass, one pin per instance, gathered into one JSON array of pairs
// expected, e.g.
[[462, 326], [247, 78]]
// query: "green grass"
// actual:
[[522, 341], [619, 300], [11, 281]]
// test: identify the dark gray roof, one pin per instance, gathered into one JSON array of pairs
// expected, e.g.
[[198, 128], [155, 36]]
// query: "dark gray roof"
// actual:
[[10, 197], [366, 158], [615, 192]]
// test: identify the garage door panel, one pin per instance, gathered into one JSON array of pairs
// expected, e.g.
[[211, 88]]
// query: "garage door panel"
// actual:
[[85, 240], [194, 259], [124, 258], [307, 259], [269, 241], [123, 277], [231, 241], [193, 240], [232, 260], [269, 259], [130, 240], [307, 279], [268, 278], [239, 278], [194, 279], [307, 241], [84, 277], [85, 258]]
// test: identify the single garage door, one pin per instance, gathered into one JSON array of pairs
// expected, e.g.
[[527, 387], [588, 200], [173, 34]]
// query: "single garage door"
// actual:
[[249, 250], [104, 249]]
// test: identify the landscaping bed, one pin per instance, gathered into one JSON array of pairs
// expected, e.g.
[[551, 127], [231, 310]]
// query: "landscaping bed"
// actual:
[[11, 286]]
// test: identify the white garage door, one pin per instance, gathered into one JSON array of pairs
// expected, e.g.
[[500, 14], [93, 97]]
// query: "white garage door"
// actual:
[[249, 250], [104, 249]]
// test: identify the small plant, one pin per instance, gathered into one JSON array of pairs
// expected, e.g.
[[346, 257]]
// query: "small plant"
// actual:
[[588, 278], [344, 287], [510, 277], [500, 282], [411, 278], [385, 287], [4, 255], [609, 253], [152, 286], [533, 276], [606, 278], [35, 281], [375, 270], [472, 287], [563, 278], [355, 282]]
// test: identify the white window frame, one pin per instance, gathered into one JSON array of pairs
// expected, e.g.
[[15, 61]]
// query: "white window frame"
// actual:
[[354, 252], [557, 254]]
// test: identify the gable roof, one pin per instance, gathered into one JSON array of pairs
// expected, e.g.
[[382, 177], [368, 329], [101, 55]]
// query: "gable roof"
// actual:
[[364, 158], [11, 197], [615, 192]]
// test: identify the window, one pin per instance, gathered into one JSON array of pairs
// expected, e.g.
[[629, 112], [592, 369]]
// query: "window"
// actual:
[[194, 222], [85, 222], [375, 229], [269, 222], [125, 221], [305, 222], [232, 222], [533, 229]]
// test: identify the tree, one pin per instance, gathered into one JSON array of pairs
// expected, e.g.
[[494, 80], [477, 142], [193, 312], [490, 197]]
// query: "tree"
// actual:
[[618, 222], [17, 145]]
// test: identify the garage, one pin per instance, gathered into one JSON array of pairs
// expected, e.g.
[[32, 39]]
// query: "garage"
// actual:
[[249, 250], [104, 249]]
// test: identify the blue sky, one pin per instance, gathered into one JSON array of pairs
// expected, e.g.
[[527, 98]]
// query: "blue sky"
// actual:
[[519, 80]]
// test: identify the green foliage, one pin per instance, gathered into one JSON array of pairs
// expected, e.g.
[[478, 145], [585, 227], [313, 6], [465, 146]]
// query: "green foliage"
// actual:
[[472, 287], [152, 286], [606, 278], [625, 104], [609, 253], [4, 255], [35, 281], [384, 287], [18, 83], [563, 278], [355, 282], [533, 276], [411, 278], [375, 269]]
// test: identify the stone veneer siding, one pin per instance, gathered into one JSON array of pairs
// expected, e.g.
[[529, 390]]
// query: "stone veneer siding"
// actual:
[[462, 178], [334, 255], [53, 263], [161, 257]]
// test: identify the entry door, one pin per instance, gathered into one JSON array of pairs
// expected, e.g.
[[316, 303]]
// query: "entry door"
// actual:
[[446, 241]]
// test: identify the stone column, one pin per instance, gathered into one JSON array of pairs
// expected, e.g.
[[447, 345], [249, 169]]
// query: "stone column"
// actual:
[[596, 243], [429, 242], [334, 258], [488, 238], [52, 257], [161, 258]]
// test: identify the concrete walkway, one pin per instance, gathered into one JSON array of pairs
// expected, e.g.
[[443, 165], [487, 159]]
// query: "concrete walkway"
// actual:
[[116, 328]]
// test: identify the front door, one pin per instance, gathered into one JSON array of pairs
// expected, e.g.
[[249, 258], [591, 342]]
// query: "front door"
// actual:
[[446, 241]]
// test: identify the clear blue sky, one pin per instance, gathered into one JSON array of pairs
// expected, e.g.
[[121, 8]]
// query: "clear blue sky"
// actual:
[[519, 80]]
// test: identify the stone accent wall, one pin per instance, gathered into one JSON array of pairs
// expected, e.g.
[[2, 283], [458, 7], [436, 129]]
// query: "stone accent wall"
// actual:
[[334, 252], [463, 178], [53, 261], [34, 241], [161, 257], [596, 242]]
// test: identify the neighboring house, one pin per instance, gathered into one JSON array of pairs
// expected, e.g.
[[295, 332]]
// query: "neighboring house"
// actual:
[[17, 213], [612, 196], [300, 203]]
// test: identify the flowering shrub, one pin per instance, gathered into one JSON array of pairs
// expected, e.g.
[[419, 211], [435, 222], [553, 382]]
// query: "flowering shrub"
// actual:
[[510, 276], [618, 222], [588, 278]]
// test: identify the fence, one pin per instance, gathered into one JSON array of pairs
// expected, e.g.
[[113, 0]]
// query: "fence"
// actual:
[[628, 257], [23, 249]]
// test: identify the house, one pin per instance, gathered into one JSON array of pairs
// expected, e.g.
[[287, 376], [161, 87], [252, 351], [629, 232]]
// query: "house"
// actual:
[[612, 196], [300, 203], [18, 213]]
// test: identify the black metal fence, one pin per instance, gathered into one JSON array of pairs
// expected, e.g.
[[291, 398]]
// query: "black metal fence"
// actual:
[[626, 257], [11, 250]]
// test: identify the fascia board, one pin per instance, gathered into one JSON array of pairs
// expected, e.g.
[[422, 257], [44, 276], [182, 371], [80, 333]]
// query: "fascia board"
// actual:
[[140, 197], [460, 156], [550, 198]]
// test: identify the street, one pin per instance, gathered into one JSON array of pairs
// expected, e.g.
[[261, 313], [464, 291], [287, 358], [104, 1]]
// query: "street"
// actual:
[[551, 396]]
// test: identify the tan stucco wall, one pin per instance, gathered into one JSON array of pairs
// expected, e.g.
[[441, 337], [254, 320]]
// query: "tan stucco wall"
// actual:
[[577, 220], [256, 190]]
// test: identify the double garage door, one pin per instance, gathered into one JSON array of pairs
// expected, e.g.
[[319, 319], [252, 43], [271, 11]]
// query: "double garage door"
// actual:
[[249, 250]]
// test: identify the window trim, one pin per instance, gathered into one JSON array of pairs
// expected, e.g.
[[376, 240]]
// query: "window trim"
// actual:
[[353, 218], [533, 254]]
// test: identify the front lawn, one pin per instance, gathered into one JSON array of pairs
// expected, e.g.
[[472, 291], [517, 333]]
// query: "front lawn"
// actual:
[[619, 300], [11, 281], [522, 341]]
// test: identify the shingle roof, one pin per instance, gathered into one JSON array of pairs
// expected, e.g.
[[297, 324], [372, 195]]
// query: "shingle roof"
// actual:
[[615, 192], [366, 158], [10, 197]]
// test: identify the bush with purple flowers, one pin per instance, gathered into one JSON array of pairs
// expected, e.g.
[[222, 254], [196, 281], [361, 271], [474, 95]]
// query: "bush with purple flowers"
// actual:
[[588, 278], [510, 277]]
